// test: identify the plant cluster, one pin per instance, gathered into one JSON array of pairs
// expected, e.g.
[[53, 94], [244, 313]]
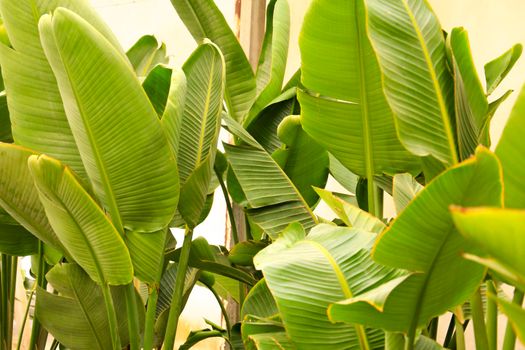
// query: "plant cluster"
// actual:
[[104, 151]]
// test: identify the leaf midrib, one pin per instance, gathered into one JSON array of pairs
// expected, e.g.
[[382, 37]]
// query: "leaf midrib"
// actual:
[[437, 89], [202, 135]]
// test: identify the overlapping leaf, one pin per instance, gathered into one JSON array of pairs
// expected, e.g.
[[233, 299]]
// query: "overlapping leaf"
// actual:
[[118, 133], [145, 54], [411, 50], [343, 106]]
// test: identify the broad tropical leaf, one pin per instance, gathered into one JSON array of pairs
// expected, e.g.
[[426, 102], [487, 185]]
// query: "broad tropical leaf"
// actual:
[[118, 133], [516, 316], [147, 254], [274, 53], [270, 341], [19, 196], [77, 317], [30, 82], [405, 189], [80, 223], [471, 105], [498, 232], [308, 273], [343, 106], [302, 159], [270, 198], [17, 241], [350, 214], [423, 239], [511, 153], [145, 54], [199, 128], [497, 69], [342, 175], [204, 20], [411, 50]]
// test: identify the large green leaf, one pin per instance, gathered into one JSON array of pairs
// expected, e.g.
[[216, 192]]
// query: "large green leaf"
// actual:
[[199, 131], [511, 152], [80, 223], [114, 124], [497, 69], [271, 199], [344, 107], [204, 20], [499, 232], [147, 254], [516, 316], [77, 317], [411, 51], [145, 54], [17, 241], [471, 104], [19, 196], [308, 273], [272, 61], [424, 239], [302, 159], [37, 113]]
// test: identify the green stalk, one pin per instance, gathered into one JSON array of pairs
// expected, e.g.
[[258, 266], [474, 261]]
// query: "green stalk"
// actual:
[[4, 296], [460, 335], [229, 208], [433, 329], [492, 316], [24, 320], [410, 340], [40, 282], [223, 310], [509, 341], [12, 291], [133, 317], [176, 300], [112, 317], [363, 339], [149, 326], [480, 331]]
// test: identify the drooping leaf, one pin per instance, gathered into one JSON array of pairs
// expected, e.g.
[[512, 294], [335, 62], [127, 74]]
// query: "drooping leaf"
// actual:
[[424, 239], [17, 241], [37, 113], [167, 284], [497, 69], [350, 214], [145, 54], [200, 126], [308, 273], [343, 106], [80, 224], [302, 159], [118, 133], [418, 86], [77, 316], [272, 61], [19, 196], [147, 252], [204, 20], [471, 105], [498, 232], [272, 201], [405, 190], [511, 153]]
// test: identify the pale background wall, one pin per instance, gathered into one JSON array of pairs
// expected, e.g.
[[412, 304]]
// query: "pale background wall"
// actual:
[[493, 25]]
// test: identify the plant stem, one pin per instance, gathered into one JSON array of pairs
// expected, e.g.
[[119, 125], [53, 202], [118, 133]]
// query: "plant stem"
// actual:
[[133, 317], [450, 331], [229, 208], [12, 291], [371, 195], [112, 317], [509, 341], [223, 309], [460, 335], [410, 340], [433, 329], [24, 320], [3, 301], [176, 300], [149, 326], [40, 282], [480, 331], [492, 316]]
